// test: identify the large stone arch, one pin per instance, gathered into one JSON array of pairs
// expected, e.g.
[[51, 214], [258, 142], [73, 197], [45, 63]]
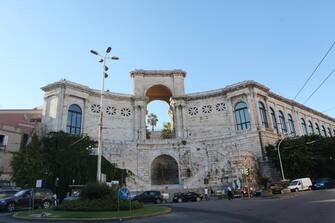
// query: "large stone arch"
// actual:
[[159, 92], [145, 79], [164, 170]]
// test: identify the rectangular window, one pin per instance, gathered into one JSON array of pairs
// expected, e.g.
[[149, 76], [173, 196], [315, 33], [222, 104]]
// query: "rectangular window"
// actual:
[[3, 141]]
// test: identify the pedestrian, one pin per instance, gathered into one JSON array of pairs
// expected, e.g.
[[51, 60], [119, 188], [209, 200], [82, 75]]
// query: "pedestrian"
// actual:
[[54, 199], [230, 194], [206, 193]]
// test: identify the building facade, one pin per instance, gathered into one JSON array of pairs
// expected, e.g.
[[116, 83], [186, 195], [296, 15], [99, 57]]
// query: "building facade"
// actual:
[[16, 127], [10, 142], [216, 134]]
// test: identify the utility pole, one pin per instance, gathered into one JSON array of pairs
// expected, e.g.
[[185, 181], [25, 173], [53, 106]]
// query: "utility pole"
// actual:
[[104, 76]]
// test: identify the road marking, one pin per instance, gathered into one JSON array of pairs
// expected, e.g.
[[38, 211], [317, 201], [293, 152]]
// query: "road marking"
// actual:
[[323, 201]]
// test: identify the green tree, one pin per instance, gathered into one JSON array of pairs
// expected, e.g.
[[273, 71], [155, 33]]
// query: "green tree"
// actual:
[[60, 159], [167, 130], [152, 120], [305, 156], [29, 164]]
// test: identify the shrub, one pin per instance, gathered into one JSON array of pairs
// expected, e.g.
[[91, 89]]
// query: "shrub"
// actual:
[[98, 205], [97, 191], [98, 197]]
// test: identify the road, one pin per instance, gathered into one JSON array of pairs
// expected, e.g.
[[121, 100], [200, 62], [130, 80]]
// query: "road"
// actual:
[[307, 207]]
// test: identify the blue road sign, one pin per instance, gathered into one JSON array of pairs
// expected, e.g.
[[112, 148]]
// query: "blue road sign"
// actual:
[[123, 193]]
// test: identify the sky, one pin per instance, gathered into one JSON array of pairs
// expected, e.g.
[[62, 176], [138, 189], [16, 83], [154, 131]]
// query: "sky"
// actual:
[[218, 43]]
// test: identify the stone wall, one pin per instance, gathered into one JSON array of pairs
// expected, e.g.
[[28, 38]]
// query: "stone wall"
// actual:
[[207, 143]]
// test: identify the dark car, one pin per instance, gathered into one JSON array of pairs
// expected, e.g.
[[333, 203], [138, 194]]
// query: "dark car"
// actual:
[[323, 183], [188, 196], [7, 192], [276, 188], [150, 197], [25, 199]]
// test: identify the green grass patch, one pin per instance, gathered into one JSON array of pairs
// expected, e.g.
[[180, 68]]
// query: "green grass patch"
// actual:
[[56, 214]]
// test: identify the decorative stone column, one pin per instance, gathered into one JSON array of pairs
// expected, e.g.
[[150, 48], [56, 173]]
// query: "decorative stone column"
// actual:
[[252, 113], [230, 115], [143, 125], [178, 118], [140, 113]]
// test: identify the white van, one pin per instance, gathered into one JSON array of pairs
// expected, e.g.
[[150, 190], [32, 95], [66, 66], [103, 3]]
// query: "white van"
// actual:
[[300, 184]]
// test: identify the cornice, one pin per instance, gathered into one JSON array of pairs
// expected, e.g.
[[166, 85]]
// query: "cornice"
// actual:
[[160, 73]]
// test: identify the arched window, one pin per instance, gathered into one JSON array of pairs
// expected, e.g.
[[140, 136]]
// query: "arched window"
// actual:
[[274, 119], [242, 116], [263, 115], [303, 127], [73, 125], [282, 122], [310, 127], [291, 125], [329, 132], [324, 133], [317, 128]]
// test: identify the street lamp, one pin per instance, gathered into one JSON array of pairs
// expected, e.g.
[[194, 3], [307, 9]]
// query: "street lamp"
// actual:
[[279, 156], [104, 76], [281, 164]]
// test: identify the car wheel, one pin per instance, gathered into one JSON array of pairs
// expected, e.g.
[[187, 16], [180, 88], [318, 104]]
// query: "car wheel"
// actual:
[[164, 201], [11, 207], [158, 201], [296, 190], [198, 199], [309, 188], [180, 200], [46, 204]]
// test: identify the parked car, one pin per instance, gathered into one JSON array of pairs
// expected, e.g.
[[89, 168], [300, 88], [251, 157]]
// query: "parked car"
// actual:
[[74, 193], [25, 199], [323, 183], [71, 197], [150, 197], [276, 188], [5, 184], [300, 184], [7, 192], [188, 196]]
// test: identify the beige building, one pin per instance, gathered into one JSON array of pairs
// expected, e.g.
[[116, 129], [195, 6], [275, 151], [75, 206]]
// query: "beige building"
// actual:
[[16, 126], [216, 133], [10, 142]]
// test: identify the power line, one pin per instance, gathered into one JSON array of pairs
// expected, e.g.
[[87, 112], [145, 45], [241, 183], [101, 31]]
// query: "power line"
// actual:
[[329, 109], [320, 85], [311, 75]]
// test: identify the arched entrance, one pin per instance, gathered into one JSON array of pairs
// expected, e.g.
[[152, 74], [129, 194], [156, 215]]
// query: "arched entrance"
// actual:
[[160, 113], [164, 170], [159, 92]]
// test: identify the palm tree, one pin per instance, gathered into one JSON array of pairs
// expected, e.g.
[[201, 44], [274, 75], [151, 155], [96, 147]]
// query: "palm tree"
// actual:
[[167, 130], [152, 120]]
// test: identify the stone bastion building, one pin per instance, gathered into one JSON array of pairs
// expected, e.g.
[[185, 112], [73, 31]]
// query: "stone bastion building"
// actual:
[[216, 133]]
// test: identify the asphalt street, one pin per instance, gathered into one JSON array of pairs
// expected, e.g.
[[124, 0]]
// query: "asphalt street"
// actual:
[[310, 206]]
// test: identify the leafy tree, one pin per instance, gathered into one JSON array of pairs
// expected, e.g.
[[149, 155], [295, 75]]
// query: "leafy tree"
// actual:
[[167, 130], [29, 164], [306, 156], [60, 159], [152, 120]]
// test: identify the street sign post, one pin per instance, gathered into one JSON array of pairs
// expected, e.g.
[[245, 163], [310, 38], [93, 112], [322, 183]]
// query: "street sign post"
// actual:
[[123, 193], [38, 183]]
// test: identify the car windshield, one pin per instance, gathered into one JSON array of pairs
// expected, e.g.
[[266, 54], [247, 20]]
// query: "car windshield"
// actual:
[[4, 194], [293, 183], [20, 193]]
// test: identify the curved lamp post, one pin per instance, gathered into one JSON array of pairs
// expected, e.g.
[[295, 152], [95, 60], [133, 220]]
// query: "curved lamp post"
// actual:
[[104, 76], [279, 156], [280, 162]]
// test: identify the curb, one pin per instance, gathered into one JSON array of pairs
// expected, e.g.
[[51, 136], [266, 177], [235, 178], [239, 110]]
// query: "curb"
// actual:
[[169, 210]]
